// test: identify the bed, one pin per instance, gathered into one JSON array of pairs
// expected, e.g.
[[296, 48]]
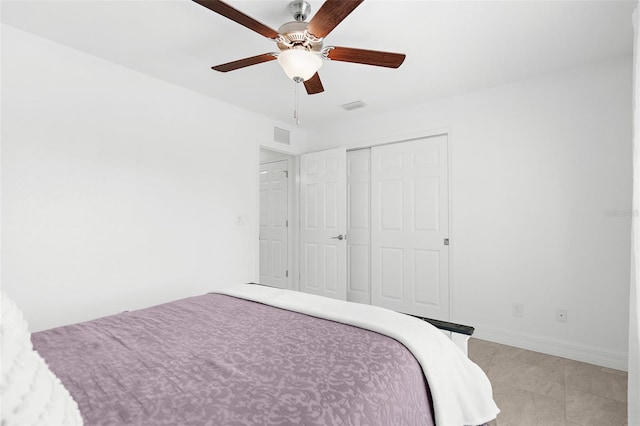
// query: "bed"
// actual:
[[254, 355]]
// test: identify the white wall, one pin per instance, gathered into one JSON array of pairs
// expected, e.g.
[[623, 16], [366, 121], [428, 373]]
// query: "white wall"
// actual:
[[119, 191], [537, 168]]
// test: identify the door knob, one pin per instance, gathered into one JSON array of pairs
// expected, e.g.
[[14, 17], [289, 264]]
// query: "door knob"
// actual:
[[339, 237]]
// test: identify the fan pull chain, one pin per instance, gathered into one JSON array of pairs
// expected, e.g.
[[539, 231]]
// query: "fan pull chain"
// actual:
[[296, 110]]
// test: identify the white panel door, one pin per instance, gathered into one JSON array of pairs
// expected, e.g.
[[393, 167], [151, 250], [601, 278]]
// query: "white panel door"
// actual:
[[323, 266], [274, 236], [358, 225], [410, 221]]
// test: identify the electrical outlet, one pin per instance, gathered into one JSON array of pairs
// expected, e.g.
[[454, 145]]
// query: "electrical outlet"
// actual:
[[241, 219], [561, 315], [517, 310]]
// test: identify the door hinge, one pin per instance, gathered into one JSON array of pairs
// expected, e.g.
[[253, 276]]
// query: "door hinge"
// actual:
[[286, 173], [446, 241], [286, 223], [286, 274]]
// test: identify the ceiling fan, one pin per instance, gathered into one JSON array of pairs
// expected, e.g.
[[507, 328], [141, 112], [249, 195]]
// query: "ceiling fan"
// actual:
[[301, 51]]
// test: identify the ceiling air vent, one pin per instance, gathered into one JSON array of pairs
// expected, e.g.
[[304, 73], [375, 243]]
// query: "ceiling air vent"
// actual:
[[281, 135], [353, 105]]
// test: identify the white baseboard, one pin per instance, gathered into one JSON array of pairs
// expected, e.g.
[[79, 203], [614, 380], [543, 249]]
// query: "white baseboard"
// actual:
[[575, 351]]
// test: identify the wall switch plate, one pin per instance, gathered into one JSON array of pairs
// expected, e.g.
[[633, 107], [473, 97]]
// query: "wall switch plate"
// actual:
[[561, 315], [517, 309]]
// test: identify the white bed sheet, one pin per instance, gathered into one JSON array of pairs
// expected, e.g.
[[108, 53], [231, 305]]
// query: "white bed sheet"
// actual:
[[461, 392]]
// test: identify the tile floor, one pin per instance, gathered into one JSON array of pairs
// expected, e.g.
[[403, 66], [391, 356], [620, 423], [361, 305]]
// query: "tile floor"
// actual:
[[537, 389]]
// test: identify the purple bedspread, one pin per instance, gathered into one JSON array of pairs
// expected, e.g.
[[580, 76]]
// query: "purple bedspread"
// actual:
[[220, 360]]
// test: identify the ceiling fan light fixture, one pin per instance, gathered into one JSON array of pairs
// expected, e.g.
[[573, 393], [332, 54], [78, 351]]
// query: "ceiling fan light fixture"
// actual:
[[299, 63]]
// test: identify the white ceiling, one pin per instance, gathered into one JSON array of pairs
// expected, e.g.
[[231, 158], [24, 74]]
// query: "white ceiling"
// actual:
[[452, 47]]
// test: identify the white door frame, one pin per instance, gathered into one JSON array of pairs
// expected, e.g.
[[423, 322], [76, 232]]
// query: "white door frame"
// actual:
[[293, 212]]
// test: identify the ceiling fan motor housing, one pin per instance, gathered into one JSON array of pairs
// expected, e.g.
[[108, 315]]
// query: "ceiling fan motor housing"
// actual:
[[294, 34], [300, 9]]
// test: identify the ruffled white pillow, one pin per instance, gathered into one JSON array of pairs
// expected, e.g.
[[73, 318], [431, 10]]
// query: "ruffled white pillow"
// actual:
[[31, 393]]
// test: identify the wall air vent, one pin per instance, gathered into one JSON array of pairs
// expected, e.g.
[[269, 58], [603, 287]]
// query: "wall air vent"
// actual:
[[281, 135], [353, 105]]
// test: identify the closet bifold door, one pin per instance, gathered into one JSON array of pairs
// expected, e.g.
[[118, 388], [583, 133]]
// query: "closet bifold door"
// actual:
[[359, 226], [409, 226]]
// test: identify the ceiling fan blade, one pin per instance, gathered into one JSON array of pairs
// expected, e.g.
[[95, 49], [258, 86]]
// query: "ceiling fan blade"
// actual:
[[367, 57], [314, 85], [330, 14], [228, 11], [241, 63]]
